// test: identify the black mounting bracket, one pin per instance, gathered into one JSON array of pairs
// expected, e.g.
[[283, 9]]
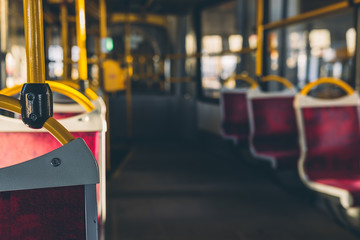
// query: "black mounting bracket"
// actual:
[[36, 104]]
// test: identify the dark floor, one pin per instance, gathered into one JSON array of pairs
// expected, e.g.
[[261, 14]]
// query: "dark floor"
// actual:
[[172, 191]]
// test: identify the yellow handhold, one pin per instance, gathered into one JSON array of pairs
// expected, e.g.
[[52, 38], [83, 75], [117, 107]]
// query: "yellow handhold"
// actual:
[[88, 92], [328, 80], [247, 79], [59, 88], [279, 79], [53, 126]]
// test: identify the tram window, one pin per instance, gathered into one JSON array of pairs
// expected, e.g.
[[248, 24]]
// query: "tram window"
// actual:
[[227, 29], [294, 7], [56, 65], [15, 66], [212, 44], [190, 47], [235, 42], [217, 71], [320, 48]]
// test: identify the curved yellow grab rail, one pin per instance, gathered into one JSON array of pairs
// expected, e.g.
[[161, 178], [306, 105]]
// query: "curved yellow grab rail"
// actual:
[[60, 88], [53, 126], [58, 131], [251, 81], [279, 79], [91, 94], [328, 80], [69, 83], [88, 92], [245, 78]]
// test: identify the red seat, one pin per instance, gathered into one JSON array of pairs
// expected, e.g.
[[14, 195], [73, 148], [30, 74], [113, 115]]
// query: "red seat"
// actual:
[[330, 140], [234, 113], [40, 200], [274, 134], [88, 126], [331, 145]]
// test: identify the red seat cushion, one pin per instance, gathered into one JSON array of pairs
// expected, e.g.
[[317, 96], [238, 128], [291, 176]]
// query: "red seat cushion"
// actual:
[[332, 137], [275, 131], [51, 213], [235, 122]]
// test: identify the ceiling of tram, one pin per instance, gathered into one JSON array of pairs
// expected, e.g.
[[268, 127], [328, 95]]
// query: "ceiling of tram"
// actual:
[[177, 7], [157, 6], [165, 6]]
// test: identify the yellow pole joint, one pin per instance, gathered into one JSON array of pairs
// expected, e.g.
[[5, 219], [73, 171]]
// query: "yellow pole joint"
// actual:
[[34, 38]]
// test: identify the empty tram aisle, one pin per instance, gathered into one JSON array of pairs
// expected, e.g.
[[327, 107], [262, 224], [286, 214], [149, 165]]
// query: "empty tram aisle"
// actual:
[[173, 191]]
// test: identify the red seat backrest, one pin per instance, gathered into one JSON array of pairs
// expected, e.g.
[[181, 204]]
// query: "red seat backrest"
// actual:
[[28, 145], [332, 140], [274, 123], [235, 120]]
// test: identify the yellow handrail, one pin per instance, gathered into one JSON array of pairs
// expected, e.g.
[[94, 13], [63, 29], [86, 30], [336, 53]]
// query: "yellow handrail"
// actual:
[[328, 80], [251, 81], [279, 79], [91, 94], [60, 88], [70, 83], [58, 131], [53, 126], [10, 104], [88, 91]]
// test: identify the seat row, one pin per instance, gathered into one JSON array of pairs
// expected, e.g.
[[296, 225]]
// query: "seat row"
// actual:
[[292, 131]]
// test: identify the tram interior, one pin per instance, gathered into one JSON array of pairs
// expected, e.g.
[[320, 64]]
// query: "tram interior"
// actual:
[[208, 119]]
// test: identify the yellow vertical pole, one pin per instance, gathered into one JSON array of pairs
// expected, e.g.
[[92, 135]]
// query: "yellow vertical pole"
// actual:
[[4, 25], [81, 38], [103, 23], [34, 41], [65, 38], [260, 38], [129, 61], [4, 12]]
